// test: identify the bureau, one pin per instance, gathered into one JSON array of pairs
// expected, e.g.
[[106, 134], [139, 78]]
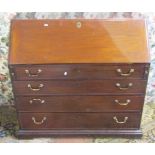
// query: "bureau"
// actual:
[[79, 77]]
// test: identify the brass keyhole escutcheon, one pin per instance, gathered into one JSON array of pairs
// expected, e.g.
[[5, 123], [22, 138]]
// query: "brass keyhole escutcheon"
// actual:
[[78, 25]]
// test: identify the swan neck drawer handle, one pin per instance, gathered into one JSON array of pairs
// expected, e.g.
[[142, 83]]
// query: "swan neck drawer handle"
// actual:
[[32, 74], [35, 89], [123, 103], [120, 122], [37, 122], [125, 74], [35, 99], [124, 88]]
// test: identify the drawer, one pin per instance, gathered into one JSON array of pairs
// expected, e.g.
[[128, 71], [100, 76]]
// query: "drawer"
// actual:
[[76, 71], [79, 120], [79, 103], [83, 87]]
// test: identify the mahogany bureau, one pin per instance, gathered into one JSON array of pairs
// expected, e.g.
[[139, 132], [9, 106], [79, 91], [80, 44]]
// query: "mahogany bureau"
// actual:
[[79, 77]]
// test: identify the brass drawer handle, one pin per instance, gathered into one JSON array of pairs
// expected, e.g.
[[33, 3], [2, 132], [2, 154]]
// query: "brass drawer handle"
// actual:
[[120, 122], [124, 88], [35, 99], [31, 74], [125, 74], [38, 123], [123, 103], [35, 89]]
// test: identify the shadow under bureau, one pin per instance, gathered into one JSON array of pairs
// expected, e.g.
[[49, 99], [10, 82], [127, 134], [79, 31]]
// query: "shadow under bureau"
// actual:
[[79, 77]]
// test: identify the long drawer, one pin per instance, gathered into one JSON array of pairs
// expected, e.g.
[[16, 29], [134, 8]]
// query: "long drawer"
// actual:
[[77, 71], [79, 120], [79, 103], [83, 87]]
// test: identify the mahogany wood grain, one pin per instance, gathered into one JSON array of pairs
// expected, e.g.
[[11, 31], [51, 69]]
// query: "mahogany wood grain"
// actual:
[[64, 76], [127, 133], [79, 103], [79, 87], [79, 120], [78, 71], [97, 41]]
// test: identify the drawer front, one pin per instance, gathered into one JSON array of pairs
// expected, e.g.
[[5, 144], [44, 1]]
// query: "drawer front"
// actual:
[[78, 71], [83, 87], [79, 120], [79, 103]]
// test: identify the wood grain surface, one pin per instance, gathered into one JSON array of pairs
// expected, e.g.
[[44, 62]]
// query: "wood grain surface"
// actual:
[[62, 41]]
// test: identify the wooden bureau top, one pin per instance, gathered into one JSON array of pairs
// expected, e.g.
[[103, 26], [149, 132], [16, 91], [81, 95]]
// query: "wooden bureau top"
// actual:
[[78, 41]]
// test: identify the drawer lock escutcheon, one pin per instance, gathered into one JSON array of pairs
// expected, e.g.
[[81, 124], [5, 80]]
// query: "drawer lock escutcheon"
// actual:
[[123, 103], [35, 89], [78, 25], [125, 74], [124, 88], [33, 74], [120, 122], [37, 122], [35, 99]]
